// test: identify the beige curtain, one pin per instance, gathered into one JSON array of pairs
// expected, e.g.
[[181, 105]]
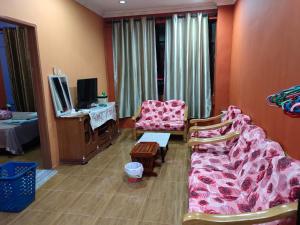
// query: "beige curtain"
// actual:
[[18, 57], [187, 67], [135, 66]]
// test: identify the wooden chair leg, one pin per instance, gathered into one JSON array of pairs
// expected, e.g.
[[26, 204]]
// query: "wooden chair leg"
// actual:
[[185, 137]]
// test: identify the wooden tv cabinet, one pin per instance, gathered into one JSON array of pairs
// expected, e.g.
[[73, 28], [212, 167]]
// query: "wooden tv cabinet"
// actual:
[[78, 143]]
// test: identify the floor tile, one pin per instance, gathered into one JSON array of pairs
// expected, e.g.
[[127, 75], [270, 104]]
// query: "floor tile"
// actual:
[[67, 169], [56, 201], [6, 218], [36, 218], [110, 221], [74, 183], [70, 219], [90, 204], [108, 183], [152, 223], [161, 210], [54, 181], [123, 207], [87, 170], [139, 189]]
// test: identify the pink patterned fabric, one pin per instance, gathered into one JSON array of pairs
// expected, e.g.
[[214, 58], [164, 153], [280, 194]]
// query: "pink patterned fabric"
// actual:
[[157, 115], [5, 114], [173, 110], [152, 110], [230, 114], [158, 124], [255, 175], [240, 123]]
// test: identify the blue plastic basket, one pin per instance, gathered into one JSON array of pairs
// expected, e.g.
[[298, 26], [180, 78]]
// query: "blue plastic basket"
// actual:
[[17, 185]]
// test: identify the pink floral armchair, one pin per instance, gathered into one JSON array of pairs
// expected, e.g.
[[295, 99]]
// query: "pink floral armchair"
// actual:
[[157, 116]]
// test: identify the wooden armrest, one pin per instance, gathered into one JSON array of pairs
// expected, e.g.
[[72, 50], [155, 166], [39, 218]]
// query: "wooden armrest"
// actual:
[[186, 113], [210, 127], [264, 216], [193, 121], [199, 141], [137, 113]]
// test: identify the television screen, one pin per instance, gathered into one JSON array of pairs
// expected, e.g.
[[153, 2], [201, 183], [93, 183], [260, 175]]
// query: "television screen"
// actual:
[[86, 92]]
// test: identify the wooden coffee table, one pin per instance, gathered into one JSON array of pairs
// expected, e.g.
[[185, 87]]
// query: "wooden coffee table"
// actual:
[[145, 153], [161, 138]]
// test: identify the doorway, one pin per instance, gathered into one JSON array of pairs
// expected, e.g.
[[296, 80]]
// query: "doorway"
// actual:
[[37, 86]]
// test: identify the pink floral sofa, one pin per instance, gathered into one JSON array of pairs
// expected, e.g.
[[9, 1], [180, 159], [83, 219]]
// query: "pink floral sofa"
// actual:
[[248, 174], [157, 116]]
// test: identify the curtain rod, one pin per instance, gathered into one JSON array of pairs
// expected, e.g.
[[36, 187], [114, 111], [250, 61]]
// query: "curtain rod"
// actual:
[[212, 14]]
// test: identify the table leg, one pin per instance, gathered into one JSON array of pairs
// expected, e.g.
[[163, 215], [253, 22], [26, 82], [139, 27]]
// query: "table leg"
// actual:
[[163, 154]]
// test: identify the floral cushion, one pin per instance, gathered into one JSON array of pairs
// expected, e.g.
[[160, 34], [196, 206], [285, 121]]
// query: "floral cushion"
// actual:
[[152, 110], [249, 137], [173, 110], [205, 134], [158, 124], [280, 183], [217, 148], [214, 192], [231, 113], [5, 114]]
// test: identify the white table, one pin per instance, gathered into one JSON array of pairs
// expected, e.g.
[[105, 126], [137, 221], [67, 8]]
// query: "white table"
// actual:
[[161, 138]]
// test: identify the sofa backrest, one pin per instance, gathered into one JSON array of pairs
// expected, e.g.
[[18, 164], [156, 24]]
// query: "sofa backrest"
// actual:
[[240, 123], [231, 113], [257, 170], [173, 110], [237, 118], [249, 139], [152, 109]]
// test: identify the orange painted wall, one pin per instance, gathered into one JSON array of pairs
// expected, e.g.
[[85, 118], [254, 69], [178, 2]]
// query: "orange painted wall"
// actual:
[[265, 59], [70, 37], [223, 57]]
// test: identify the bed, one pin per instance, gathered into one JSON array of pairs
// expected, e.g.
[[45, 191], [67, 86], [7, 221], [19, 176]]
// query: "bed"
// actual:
[[21, 129]]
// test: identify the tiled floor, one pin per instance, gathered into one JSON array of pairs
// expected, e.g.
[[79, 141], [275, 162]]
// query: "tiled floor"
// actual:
[[32, 153], [98, 193]]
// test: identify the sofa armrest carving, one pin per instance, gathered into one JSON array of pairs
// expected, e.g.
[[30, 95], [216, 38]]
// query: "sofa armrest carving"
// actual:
[[137, 114], [210, 127], [222, 138], [195, 121], [278, 212]]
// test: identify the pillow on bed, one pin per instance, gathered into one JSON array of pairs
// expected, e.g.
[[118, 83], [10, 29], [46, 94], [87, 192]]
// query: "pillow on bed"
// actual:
[[5, 115]]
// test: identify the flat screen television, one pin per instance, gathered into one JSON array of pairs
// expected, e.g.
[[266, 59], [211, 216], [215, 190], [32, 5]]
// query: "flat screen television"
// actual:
[[86, 92]]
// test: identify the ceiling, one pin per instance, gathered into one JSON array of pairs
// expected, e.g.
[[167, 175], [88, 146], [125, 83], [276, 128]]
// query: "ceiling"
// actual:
[[113, 8]]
